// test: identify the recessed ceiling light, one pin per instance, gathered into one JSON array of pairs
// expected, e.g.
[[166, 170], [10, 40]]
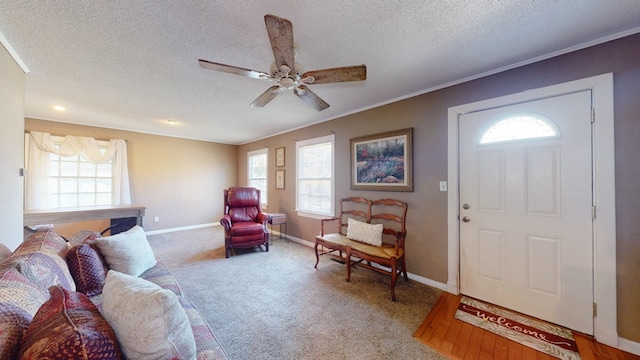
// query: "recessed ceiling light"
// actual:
[[59, 108], [171, 122]]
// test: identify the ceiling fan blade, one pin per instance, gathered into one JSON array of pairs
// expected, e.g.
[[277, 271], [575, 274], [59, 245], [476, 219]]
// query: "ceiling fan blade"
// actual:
[[281, 36], [340, 74], [266, 96], [233, 69], [311, 99]]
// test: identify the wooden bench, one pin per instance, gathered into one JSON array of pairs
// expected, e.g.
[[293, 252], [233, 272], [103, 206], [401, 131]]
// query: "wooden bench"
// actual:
[[387, 258]]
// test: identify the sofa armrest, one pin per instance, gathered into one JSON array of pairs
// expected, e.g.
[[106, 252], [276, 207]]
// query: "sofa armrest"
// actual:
[[226, 222]]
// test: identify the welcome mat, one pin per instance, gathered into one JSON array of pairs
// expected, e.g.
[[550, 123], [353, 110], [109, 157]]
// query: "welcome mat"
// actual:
[[549, 339]]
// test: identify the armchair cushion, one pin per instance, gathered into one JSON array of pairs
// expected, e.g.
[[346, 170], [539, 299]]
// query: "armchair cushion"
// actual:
[[247, 228], [243, 214]]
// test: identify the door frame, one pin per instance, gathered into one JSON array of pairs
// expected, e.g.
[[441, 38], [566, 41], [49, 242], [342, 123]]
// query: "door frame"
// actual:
[[604, 229]]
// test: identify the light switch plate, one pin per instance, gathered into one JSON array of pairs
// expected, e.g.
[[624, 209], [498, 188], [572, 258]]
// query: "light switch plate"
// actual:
[[443, 186]]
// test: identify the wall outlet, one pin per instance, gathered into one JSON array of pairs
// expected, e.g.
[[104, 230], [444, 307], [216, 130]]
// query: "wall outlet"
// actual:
[[156, 219], [443, 186]]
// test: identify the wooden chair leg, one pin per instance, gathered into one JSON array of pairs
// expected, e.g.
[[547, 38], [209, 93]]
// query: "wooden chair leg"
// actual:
[[404, 270], [394, 277], [317, 256], [348, 264]]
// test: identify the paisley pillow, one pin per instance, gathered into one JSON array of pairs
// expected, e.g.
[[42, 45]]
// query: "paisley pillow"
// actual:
[[69, 326]]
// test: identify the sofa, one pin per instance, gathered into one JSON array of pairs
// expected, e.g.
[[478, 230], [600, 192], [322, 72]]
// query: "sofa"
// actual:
[[64, 301]]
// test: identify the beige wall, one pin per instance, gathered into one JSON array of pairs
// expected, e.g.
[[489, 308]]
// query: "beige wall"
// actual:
[[178, 180], [11, 143], [427, 114]]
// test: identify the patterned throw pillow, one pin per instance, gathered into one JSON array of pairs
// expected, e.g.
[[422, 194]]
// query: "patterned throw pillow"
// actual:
[[148, 320], [41, 259], [44, 270], [128, 252], [19, 302], [88, 268], [43, 241], [69, 326], [366, 233]]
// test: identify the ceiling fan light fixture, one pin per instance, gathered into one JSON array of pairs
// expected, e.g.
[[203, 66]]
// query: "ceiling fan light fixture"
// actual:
[[288, 82], [289, 74]]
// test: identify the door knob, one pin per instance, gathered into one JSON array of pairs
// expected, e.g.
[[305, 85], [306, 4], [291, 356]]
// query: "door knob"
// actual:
[[466, 206], [466, 219]]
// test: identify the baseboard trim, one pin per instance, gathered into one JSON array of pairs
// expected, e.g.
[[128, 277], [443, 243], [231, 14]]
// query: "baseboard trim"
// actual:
[[190, 227], [629, 346]]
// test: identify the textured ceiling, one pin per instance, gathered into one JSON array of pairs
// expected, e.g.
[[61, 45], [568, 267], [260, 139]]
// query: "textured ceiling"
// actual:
[[133, 64]]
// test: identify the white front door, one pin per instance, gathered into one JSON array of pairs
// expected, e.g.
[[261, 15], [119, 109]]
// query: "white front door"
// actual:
[[526, 238]]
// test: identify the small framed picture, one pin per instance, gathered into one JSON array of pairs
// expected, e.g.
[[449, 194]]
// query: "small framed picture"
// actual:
[[279, 179], [280, 157]]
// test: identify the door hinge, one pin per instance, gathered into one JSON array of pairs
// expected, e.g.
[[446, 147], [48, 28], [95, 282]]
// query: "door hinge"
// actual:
[[593, 115], [593, 212], [595, 310]]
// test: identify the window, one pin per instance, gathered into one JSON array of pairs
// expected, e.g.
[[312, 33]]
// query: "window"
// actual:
[[521, 127], [74, 171], [257, 172], [75, 181], [314, 176]]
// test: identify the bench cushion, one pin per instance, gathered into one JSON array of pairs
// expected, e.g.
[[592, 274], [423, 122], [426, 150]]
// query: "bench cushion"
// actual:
[[385, 251]]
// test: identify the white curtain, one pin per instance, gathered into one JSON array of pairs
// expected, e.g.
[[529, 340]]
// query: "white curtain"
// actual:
[[37, 164]]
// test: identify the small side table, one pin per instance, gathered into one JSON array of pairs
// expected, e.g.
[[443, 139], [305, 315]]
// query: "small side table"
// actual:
[[278, 219]]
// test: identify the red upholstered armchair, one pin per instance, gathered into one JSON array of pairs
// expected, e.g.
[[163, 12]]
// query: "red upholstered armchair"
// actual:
[[245, 225]]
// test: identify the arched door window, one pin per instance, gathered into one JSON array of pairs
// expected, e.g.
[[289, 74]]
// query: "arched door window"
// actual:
[[519, 127]]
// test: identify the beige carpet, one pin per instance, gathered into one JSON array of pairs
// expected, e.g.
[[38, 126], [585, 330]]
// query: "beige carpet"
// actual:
[[275, 305]]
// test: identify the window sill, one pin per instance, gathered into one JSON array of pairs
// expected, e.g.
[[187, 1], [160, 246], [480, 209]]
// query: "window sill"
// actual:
[[311, 215]]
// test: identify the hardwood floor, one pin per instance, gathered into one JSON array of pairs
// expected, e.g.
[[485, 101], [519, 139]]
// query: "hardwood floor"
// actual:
[[459, 340]]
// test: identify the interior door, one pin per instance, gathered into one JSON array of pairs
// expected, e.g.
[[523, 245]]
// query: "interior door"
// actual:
[[526, 208]]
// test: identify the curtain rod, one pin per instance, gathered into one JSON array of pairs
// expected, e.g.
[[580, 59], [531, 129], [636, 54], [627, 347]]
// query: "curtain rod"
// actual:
[[59, 135]]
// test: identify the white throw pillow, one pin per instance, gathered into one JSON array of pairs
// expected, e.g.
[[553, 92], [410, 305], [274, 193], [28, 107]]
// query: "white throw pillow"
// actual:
[[128, 252], [366, 233], [149, 321]]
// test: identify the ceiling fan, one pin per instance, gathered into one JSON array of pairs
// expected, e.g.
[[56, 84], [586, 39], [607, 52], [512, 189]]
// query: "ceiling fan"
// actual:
[[288, 74]]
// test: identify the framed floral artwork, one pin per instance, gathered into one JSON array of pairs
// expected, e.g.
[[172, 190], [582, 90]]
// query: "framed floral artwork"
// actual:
[[382, 161]]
